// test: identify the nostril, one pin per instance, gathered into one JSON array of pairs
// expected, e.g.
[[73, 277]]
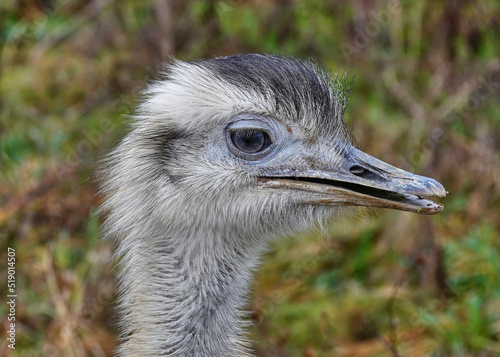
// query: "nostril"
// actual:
[[364, 173], [357, 170]]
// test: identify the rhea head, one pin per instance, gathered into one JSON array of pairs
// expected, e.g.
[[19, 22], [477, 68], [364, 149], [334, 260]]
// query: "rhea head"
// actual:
[[256, 141]]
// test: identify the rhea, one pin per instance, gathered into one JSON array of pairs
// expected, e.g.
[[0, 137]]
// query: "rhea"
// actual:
[[225, 155]]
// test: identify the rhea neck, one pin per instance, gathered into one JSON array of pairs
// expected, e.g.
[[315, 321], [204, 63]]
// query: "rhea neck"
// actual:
[[184, 293]]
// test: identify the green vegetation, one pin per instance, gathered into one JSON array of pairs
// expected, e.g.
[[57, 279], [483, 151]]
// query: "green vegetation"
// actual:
[[425, 98]]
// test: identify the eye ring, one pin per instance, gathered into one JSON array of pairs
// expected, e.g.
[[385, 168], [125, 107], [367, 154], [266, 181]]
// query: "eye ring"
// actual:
[[250, 143], [253, 138]]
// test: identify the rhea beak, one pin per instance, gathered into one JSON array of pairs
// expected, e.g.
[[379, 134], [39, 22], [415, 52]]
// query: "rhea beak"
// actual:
[[358, 179]]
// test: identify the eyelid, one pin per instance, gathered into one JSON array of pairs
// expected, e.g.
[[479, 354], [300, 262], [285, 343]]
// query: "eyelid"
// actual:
[[246, 130], [247, 123]]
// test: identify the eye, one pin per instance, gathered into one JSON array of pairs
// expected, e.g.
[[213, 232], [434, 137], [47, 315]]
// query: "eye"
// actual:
[[253, 138], [250, 141]]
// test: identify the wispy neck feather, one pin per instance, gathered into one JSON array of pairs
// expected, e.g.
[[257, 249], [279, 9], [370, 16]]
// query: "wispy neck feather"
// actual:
[[184, 295]]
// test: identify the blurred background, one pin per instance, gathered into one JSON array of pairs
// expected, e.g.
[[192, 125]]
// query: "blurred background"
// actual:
[[426, 98]]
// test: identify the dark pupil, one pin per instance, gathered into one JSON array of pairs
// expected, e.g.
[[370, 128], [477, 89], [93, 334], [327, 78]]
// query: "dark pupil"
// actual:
[[250, 142]]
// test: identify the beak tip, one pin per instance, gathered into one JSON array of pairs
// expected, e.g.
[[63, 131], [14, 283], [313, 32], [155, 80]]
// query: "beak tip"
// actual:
[[430, 187], [438, 189], [430, 208], [435, 189]]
